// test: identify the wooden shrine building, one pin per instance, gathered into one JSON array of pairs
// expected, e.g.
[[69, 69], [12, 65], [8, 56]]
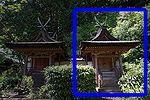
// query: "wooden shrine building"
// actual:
[[104, 52], [40, 52]]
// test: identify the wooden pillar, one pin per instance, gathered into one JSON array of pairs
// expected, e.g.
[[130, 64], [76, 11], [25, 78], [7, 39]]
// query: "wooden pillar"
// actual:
[[113, 65], [33, 63], [59, 59], [29, 63], [120, 65], [93, 61], [86, 59], [25, 65], [50, 60], [96, 67]]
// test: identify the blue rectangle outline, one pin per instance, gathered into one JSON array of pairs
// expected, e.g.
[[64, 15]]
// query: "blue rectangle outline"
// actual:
[[74, 39]]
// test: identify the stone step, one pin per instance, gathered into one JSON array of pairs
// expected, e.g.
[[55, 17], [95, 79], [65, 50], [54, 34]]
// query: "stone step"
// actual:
[[110, 89], [110, 83], [38, 79], [108, 73], [109, 79]]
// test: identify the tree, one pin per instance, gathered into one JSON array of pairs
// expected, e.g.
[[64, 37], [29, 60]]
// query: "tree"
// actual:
[[130, 27]]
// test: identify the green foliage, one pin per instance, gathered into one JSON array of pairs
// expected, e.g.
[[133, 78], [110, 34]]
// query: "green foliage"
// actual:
[[26, 85], [58, 81], [19, 17], [86, 78], [129, 26], [84, 32], [10, 78], [132, 80]]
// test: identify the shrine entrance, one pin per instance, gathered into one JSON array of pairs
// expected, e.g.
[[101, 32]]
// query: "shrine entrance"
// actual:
[[104, 64], [40, 63]]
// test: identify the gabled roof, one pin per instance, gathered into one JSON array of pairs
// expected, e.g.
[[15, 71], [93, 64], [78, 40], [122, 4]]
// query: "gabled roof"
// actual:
[[42, 40], [106, 41], [103, 35]]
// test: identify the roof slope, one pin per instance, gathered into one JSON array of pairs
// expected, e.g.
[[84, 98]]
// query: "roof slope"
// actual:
[[43, 37]]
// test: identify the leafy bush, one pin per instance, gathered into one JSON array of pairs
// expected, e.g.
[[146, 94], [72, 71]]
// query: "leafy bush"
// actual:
[[58, 81], [10, 78], [86, 78], [132, 80], [26, 85]]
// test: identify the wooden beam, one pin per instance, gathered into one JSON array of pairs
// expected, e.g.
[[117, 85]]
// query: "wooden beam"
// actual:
[[109, 56]]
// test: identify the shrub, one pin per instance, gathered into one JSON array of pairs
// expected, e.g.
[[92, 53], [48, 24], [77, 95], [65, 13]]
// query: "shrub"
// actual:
[[26, 85], [86, 79], [58, 81], [10, 78], [132, 80]]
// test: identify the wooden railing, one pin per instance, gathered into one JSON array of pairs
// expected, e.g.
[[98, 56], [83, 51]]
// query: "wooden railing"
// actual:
[[100, 80]]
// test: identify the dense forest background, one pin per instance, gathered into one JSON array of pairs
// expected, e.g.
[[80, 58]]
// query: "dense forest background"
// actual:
[[18, 22]]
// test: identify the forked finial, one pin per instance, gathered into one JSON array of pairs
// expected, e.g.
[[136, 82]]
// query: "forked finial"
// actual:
[[43, 26], [98, 24]]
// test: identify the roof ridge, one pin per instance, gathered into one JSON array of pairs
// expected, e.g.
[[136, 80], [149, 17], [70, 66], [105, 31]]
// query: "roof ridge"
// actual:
[[103, 35]]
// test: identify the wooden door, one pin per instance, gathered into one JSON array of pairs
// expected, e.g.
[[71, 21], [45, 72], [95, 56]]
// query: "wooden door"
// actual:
[[40, 63], [105, 64]]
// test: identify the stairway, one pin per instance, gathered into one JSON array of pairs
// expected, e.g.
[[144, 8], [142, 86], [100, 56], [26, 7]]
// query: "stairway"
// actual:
[[110, 82], [38, 79]]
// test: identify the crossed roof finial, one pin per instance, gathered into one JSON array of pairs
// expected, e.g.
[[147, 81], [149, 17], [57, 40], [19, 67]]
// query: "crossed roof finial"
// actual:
[[44, 35], [43, 26], [98, 24]]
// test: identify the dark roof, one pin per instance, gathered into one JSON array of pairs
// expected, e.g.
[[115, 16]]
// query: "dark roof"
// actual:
[[103, 35], [41, 40], [34, 44], [103, 38]]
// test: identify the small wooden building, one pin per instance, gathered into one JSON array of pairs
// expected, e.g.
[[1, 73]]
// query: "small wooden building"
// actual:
[[42, 51], [104, 52]]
